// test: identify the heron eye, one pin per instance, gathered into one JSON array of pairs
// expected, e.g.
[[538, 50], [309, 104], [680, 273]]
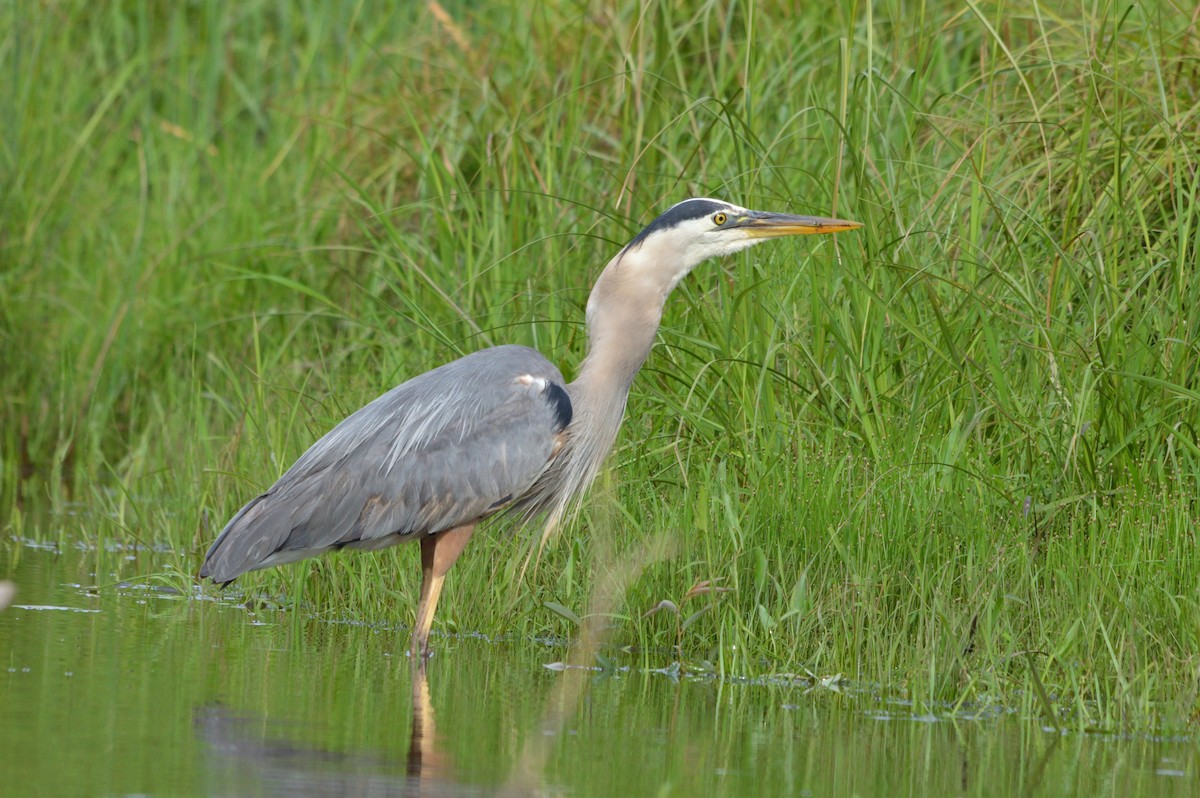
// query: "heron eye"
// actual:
[[719, 219]]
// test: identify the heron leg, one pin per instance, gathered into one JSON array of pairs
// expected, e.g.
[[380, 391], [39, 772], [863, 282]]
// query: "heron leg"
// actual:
[[438, 553]]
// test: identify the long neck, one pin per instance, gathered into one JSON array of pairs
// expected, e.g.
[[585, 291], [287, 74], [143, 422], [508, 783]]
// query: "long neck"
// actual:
[[623, 315]]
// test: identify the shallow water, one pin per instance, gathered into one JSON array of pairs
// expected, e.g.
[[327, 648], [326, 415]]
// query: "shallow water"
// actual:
[[123, 689]]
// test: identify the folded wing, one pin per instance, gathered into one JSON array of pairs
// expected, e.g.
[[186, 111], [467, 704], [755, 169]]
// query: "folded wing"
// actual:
[[446, 448]]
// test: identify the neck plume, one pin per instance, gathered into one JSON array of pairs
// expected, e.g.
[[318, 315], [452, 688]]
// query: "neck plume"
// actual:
[[623, 314]]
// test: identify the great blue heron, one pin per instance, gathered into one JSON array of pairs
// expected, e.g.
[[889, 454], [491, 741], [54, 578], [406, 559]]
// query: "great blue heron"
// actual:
[[494, 430]]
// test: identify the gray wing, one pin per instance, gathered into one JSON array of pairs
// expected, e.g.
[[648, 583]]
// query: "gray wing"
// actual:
[[444, 449]]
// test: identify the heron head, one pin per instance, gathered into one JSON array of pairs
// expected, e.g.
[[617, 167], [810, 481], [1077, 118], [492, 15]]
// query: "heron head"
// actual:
[[692, 231]]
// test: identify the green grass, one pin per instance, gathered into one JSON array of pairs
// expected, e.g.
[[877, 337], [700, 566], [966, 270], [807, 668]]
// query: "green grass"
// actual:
[[955, 452]]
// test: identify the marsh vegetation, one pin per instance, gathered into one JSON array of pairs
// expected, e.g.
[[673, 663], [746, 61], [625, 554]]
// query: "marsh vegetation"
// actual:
[[955, 454]]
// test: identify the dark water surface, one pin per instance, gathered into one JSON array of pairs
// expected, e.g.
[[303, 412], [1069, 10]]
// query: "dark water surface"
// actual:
[[113, 688]]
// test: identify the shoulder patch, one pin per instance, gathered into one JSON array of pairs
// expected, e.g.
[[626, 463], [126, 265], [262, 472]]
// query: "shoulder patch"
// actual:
[[556, 395]]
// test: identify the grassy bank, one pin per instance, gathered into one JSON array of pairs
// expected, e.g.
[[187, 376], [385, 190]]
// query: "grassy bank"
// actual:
[[955, 452]]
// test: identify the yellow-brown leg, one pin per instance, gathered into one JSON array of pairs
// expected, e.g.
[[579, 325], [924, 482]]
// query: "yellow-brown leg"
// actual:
[[431, 767], [438, 553]]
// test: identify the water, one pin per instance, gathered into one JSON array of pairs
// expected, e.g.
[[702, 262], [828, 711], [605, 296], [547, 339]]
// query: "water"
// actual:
[[123, 689]]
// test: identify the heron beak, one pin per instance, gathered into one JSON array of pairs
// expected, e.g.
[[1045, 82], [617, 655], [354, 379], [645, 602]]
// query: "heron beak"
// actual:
[[762, 224]]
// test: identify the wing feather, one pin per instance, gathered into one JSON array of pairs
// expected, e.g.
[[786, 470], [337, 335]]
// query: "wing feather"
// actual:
[[443, 449]]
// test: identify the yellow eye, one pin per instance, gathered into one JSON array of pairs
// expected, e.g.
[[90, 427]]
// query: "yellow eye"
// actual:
[[719, 219]]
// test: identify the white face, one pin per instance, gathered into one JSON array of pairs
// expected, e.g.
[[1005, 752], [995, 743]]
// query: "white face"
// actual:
[[695, 230], [636, 282], [674, 252]]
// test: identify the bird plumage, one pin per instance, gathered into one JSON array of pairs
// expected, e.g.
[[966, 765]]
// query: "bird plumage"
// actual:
[[452, 445], [496, 429]]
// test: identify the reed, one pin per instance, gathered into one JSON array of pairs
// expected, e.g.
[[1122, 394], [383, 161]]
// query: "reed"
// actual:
[[954, 454]]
